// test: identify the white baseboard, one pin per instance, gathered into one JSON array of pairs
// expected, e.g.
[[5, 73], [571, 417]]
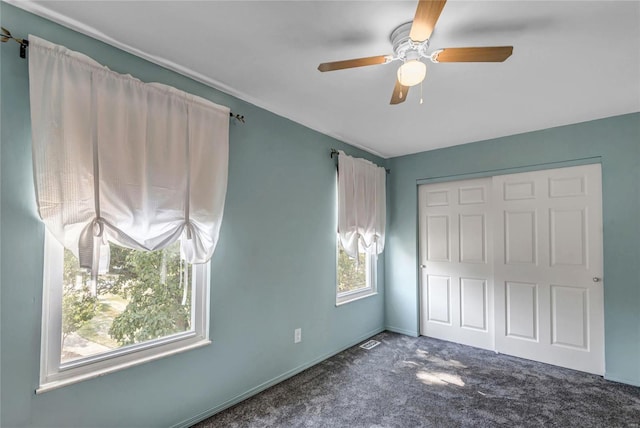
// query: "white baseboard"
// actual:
[[622, 380], [411, 333]]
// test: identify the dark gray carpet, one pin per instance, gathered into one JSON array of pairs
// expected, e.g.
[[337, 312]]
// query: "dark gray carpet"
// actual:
[[422, 382]]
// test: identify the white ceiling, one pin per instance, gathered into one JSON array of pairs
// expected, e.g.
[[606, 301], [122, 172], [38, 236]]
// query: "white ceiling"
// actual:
[[573, 61]]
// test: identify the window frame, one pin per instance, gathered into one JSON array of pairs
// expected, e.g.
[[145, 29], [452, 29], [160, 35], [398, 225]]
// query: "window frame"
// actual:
[[370, 289], [54, 374]]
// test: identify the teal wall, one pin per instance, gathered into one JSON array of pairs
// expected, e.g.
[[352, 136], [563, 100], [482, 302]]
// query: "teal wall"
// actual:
[[274, 267], [273, 270], [615, 142]]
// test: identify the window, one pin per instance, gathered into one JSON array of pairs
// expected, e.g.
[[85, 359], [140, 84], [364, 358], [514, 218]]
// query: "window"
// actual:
[[361, 210], [355, 280], [146, 306], [140, 165]]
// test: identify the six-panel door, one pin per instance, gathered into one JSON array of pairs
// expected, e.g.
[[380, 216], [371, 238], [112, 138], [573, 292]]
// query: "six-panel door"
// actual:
[[456, 262], [548, 267]]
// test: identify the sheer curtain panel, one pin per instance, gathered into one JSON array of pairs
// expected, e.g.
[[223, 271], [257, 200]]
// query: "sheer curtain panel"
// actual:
[[118, 160], [362, 205]]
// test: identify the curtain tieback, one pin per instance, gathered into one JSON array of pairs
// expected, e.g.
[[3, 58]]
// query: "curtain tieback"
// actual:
[[89, 246], [98, 227], [189, 227], [184, 277]]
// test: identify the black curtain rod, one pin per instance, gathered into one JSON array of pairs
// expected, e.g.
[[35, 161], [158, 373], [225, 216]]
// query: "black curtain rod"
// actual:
[[24, 44], [335, 152]]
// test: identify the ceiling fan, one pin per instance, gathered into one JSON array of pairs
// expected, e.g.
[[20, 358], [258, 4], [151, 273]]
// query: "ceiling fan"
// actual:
[[410, 44]]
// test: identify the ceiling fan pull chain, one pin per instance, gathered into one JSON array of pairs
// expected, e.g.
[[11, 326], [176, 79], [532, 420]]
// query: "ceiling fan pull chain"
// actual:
[[420, 92]]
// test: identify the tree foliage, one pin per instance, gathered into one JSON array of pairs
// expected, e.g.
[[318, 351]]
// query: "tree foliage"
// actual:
[[351, 275], [78, 305], [151, 282]]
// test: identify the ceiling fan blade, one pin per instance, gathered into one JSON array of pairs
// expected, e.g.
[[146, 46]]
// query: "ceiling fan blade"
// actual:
[[352, 63], [399, 93], [486, 54], [424, 22]]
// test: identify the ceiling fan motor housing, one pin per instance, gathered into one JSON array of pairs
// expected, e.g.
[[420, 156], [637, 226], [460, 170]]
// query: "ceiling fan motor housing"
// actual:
[[406, 49]]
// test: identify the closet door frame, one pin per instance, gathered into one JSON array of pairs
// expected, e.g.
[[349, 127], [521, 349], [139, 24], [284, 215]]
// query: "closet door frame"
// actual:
[[562, 291]]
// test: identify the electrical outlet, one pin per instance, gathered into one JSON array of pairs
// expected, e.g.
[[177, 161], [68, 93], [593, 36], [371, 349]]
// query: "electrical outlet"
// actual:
[[297, 335]]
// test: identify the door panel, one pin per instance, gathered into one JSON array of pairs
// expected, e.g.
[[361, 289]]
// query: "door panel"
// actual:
[[520, 237], [569, 317], [455, 252], [473, 303], [472, 238], [519, 190], [439, 299], [568, 237], [522, 310], [559, 318], [437, 198], [438, 238], [471, 195]]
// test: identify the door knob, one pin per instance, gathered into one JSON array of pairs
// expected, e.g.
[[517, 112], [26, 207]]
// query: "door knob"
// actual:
[[423, 266], [596, 279]]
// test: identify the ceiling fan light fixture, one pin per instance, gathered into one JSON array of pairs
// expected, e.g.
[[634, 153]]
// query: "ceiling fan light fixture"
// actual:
[[412, 72]]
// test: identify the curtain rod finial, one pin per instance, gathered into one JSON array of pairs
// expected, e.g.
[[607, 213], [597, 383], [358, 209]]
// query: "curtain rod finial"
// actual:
[[238, 117], [24, 43]]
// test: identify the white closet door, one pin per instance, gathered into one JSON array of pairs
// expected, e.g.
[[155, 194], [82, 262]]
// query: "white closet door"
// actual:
[[456, 284], [548, 267]]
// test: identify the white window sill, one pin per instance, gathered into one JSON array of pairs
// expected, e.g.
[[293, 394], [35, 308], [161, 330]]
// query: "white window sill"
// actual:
[[352, 297], [54, 384]]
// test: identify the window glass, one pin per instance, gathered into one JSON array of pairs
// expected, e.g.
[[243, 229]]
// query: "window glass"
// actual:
[[355, 278], [352, 275], [143, 296]]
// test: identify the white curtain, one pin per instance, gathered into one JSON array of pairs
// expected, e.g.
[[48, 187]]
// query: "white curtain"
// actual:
[[362, 205], [118, 160]]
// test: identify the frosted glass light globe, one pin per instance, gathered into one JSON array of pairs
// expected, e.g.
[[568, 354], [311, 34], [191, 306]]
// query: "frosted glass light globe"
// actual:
[[412, 72]]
